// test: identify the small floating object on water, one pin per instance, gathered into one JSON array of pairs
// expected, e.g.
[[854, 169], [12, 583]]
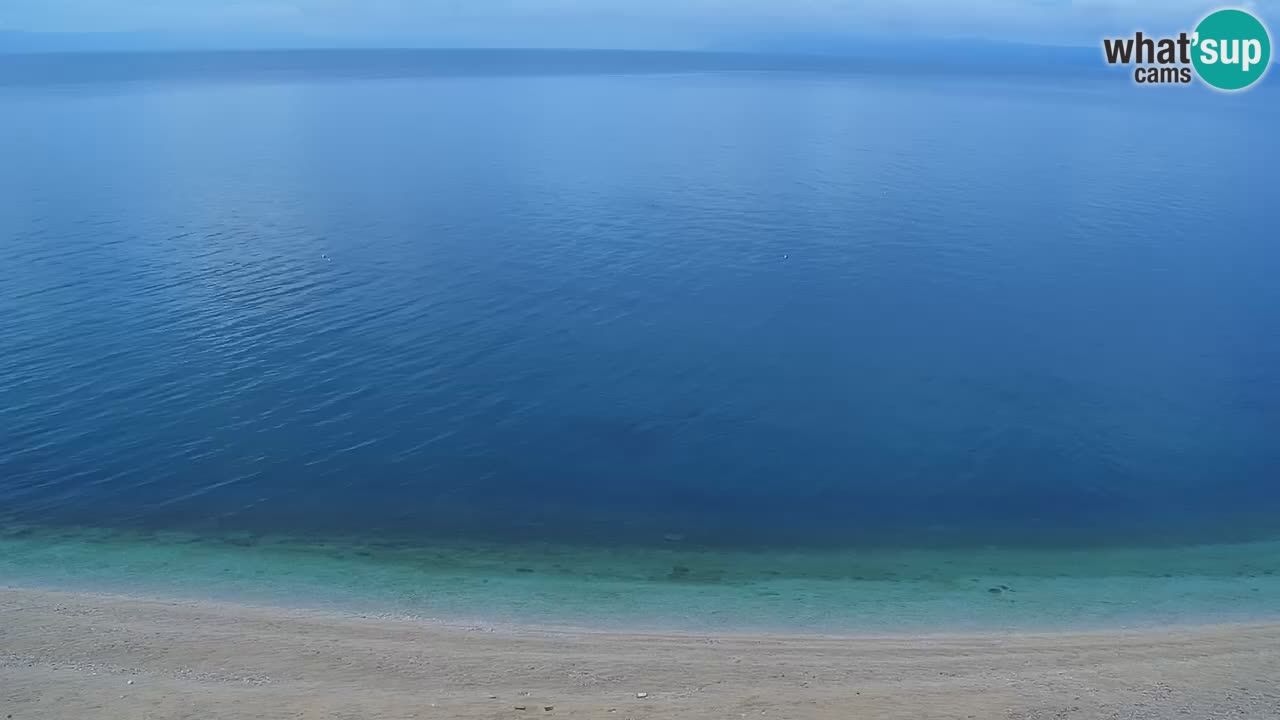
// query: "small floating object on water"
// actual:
[[642, 695], [326, 257], [784, 257]]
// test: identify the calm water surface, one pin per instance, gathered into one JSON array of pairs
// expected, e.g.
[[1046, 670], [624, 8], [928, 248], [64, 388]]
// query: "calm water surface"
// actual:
[[590, 301]]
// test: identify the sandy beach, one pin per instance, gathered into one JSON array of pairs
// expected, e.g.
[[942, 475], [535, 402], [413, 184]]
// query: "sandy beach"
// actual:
[[73, 655]]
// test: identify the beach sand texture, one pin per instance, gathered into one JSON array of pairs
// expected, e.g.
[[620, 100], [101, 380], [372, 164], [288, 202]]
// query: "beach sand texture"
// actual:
[[76, 655]]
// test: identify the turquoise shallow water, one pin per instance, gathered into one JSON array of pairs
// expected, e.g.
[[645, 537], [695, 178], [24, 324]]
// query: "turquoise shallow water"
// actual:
[[670, 588]]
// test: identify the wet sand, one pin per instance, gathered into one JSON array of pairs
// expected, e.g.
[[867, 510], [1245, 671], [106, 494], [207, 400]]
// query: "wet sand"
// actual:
[[76, 655]]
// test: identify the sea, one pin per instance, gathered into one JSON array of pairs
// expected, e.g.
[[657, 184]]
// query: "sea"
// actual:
[[682, 341]]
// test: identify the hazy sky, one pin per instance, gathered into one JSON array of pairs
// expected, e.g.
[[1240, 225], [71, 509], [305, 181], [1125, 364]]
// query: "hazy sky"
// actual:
[[618, 23]]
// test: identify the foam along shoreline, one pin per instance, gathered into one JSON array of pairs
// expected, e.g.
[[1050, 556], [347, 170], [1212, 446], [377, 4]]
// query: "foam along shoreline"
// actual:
[[92, 655], [674, 588]]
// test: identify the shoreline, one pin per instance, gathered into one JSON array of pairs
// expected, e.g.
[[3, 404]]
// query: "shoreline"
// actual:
[[72, 654], [319, 613]]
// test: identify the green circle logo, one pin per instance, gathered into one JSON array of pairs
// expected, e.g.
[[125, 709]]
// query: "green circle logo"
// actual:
[[1232, 49]]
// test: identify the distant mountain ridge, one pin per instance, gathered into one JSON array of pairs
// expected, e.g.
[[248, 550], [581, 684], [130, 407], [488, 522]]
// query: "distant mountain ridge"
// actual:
[[915, 50]]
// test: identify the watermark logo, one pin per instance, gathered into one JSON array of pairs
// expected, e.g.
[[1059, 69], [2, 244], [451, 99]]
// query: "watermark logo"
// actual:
[[1229, 50]]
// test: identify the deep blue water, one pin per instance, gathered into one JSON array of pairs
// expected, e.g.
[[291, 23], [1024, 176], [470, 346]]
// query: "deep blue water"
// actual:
[[604, 300]]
